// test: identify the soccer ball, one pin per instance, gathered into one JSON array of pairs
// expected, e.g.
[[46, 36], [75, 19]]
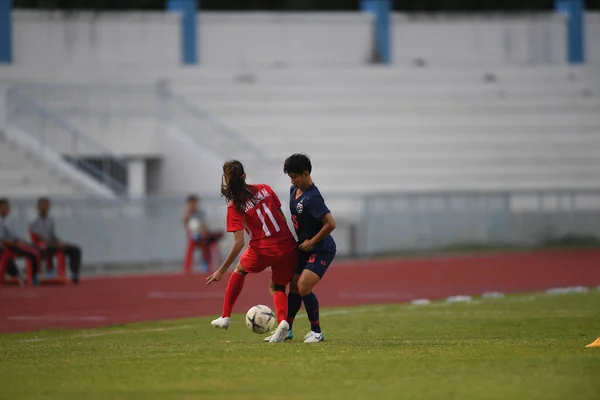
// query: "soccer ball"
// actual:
[[194, 225], [260, 319]]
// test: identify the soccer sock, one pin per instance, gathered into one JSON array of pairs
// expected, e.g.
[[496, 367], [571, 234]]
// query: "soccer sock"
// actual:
[[294, 304], [311, 305], [281, 305], [234, 288]]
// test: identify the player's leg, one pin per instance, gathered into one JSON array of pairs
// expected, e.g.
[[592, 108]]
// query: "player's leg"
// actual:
[[307, 281], [313, 273], [280, 300], [294, 298], [234, 288], [294, 302], [282, 270]]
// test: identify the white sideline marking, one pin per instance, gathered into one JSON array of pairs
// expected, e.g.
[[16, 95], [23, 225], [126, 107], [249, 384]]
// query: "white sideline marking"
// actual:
[[411, 306], [570, 289], [184, 295], [420, 302], [376, 295], [55, 318], [335, 312], [120, 332], [351, 311], [458, 299], [492, 295]]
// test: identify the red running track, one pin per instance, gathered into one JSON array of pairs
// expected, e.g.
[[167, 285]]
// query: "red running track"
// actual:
[[115, 300]]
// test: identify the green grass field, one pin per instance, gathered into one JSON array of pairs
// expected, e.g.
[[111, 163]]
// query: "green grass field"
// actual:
[[521, 347]]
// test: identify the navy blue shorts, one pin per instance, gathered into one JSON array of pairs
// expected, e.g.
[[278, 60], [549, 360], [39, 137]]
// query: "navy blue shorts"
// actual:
[[315, 262]]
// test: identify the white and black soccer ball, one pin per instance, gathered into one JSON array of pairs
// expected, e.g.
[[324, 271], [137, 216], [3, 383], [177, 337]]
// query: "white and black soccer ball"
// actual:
[[260, 319]]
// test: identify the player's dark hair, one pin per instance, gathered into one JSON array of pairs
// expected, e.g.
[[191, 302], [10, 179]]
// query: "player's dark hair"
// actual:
[[43, 200], [233, 186], [3, 201], [296, 164], [191, 197]]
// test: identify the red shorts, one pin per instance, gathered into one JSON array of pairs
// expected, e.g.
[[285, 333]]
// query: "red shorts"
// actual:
[[283, 267]]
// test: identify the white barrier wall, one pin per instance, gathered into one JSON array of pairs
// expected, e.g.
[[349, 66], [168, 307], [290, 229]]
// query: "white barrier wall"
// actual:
[[592, 38], [285, 39], [56, 39], [444, 40], [96, 39]]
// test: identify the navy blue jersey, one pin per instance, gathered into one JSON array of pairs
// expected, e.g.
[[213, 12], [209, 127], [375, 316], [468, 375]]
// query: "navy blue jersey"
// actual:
[[308, 211]]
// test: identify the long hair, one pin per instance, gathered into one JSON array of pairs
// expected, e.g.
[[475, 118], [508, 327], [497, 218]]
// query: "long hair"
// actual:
[[233, 185]]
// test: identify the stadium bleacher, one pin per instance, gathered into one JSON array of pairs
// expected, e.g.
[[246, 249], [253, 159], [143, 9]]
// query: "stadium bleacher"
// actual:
[[387, 130], [368, 129], [24, 174]]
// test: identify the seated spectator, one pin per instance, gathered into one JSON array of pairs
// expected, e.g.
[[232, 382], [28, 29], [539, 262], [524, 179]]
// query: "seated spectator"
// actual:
[[193, 219], [44, 228], [194, 222], [16, 245]]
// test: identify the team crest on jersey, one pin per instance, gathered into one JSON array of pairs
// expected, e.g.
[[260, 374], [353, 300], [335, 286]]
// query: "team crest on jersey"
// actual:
[[299, 208]]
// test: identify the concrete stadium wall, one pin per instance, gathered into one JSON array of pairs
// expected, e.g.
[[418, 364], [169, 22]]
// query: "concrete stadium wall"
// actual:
[[285, 39], [291, 39], [445, 40], [95, 39], [592, 38]]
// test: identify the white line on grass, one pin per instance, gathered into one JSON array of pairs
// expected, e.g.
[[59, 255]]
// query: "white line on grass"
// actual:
[[119, 332], [351, 311], [376, 295]]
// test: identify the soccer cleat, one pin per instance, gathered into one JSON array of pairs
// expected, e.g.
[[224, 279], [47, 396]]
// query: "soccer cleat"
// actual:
[[595, 343], [280, 333], [290, 336], [221, 323], [313, 337]]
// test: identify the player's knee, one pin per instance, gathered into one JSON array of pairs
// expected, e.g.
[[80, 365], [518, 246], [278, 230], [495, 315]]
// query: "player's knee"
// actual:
[[304, 288], [294, 285], [277, 288], [240, 270]]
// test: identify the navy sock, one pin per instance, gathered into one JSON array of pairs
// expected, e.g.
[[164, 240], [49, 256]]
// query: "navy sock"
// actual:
[[311, 304], [294, 304]]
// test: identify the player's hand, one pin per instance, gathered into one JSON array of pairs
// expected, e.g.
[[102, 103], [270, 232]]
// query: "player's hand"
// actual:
[[307, 245], [215, 277]]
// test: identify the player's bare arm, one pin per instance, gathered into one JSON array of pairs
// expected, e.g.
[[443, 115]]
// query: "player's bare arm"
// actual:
[[328, 227], [236, 248]]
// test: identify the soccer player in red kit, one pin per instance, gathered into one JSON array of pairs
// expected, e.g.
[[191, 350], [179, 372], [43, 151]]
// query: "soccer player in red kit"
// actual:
[[257, 210]]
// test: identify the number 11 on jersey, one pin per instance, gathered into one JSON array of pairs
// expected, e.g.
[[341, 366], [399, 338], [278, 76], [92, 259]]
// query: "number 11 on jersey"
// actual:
[[264, 222]]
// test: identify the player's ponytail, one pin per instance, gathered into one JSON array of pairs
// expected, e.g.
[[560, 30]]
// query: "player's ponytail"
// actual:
[[233, 184]]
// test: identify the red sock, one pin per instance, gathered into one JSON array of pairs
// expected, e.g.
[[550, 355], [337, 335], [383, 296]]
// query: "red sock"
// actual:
[[234, 288], [281, 306]]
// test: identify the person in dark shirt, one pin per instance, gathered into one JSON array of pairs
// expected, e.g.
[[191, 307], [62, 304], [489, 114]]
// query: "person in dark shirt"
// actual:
[[313, 223], [44, 228]]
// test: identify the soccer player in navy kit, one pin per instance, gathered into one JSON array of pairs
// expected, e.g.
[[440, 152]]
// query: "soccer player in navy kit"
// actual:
[[313, 223]]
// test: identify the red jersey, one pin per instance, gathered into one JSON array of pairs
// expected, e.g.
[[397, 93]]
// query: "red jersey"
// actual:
[[263, 222]]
